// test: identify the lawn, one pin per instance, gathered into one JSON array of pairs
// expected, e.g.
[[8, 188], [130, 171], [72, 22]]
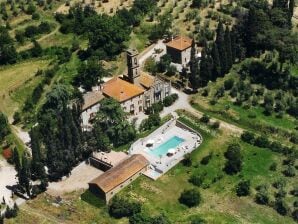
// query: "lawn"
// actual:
[[219, 205], [17, 82]]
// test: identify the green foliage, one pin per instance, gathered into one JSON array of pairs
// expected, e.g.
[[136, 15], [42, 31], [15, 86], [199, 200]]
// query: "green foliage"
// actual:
[[169, 100], [142, 218], [151, 66], [187, 161], [60, 133], [289, 171], [248, 137], [228, 84], [262, 142], [190, 197], [281, 207], [243, 188], [111, 119], [90, 73], [120, 207], [205, 160], [31, 8], [8, 52], [262, 195], [197, 179], [4, 127], [205, 118], [152, 121], [155, 108], [234, 159]]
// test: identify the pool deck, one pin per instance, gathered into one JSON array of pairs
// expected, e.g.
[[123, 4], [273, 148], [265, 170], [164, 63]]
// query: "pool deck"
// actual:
[[163, 163]]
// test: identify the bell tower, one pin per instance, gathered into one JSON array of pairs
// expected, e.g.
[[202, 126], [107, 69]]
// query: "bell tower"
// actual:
[[132, 65]]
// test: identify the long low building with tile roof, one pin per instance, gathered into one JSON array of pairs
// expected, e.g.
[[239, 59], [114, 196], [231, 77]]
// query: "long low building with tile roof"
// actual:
[[112, 181]]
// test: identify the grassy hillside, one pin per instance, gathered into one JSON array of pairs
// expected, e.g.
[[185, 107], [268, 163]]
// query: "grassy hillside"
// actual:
[[17, 82]]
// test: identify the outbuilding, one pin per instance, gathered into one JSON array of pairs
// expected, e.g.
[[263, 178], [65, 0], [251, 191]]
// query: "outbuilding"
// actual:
[[112, 181], [179, 49]]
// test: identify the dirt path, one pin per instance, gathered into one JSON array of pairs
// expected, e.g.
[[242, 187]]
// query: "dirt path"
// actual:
[[183, 103], [29, 45]]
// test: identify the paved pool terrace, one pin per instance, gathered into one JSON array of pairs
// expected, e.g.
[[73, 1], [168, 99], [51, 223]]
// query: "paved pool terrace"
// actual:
[[174, 137]]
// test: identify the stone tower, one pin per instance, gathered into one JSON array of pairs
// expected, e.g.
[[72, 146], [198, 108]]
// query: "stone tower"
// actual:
[[132, 65]]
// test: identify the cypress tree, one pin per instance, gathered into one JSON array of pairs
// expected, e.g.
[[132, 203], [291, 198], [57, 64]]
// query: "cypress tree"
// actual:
[[291, 8], [193, 59], [233, 44], [194, 77], [205, 68], [16, 160], [220, 42], [216, 70], [37, 165], [291, 11], [228, 48], [24, 175]]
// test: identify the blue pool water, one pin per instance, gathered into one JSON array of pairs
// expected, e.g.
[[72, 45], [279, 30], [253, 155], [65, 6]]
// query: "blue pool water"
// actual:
[[163, 148]]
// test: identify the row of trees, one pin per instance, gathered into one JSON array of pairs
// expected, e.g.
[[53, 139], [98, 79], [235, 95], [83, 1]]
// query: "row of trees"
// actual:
[[216, 59], [57, 140]]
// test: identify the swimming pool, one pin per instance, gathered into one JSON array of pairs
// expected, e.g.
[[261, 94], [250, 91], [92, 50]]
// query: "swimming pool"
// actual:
[[163, 148]]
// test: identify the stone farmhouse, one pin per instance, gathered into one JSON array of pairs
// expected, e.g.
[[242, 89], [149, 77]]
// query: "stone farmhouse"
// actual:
[[112, 181], [179, 49]]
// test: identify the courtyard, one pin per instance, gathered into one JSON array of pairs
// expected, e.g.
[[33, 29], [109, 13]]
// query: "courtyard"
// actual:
[[166, 147]]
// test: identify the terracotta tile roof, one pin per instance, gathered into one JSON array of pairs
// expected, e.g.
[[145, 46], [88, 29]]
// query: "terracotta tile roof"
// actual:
[[120, 173], [180, 43], [121, 90], [146, 80], [91, 98]]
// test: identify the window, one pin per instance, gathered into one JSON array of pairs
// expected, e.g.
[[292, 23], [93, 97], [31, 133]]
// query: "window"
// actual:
[[111, 192]]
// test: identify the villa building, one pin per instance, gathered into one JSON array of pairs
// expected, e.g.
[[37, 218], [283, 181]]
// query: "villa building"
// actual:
[[155, 88], [136, 91], [179, 49], [128, 95], [112, 181]]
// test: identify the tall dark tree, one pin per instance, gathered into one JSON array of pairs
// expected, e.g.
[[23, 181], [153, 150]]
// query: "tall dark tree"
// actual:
[[193, 59], [37, 166], [8, 53], [194, 77], [4, 128], [36, 50], [220, 42], [291, 8], [216, 71], [16, 160], [25, 175], [205, 68], [228, 47], [234, 159]]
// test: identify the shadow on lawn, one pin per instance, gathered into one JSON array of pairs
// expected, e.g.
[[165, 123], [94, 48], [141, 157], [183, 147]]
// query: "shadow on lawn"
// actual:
[[92, 199]]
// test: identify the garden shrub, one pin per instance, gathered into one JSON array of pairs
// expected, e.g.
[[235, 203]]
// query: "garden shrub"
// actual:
[[190, 197]]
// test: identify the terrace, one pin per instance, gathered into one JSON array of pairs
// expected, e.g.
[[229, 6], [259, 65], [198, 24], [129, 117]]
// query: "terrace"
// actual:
[[166, 147]]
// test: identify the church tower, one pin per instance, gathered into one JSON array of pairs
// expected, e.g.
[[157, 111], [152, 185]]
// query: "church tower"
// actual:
[[132, 65]]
